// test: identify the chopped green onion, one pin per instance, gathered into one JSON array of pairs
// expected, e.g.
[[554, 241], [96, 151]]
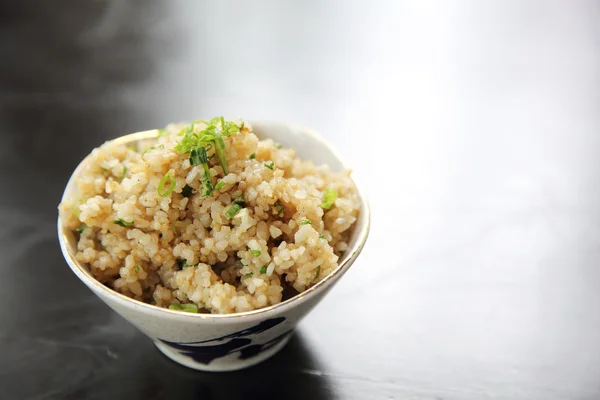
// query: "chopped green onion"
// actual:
[[195, 157], [230, 127], [252, 156], [219, 185], [234, 209], [162, 191], [318, 272], [239, 200], [197, 143], [270, 165], [189, 141], [255, 253], [207, 186], [329, 197], [263, 269], [76, 204], [322, 236], [105, 171], [202, 153], [81, 228], [187, 191], [162, 132], [242, 263], [213, 134], [123, 174], [185, 307], [199, 156], [248, 274], [280, 208], [123, 223], [233, 128], [191, 308], [182, 263], [305, 222], [278, 145], [147, 149], [137, 268], [220, 151]]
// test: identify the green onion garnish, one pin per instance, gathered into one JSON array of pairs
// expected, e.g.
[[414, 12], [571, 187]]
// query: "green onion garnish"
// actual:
[[278, 145], [230, 127], [235, 207], [76, 204], [189, 141], [280, 208], [137, 268], [195, 157], [305, 222], [322, 236], [239, 200], [191, 308], [263, 269], [185, 307], [207, 186], [198, 156], [182, 263], [219, 185], [166, 191], [270, 165], [123, 223], [213, 134], [81, 228], [187, 191], [255, 253], [248, 274], [132, 147], [252, 156], [105, 171], [147, 149], [318, 272], [123, 174], [202, 156], [329, 197], [220, 151], [161, 132]]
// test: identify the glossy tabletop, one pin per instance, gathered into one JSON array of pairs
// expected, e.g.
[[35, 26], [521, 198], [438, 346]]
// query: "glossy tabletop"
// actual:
[[473, 125]]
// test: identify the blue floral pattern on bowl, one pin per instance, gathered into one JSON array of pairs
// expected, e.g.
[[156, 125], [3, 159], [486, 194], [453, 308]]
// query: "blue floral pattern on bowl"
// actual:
[[208, 350]]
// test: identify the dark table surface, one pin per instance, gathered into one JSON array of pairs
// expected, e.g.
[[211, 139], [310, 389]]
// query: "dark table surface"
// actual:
[[474, 126]]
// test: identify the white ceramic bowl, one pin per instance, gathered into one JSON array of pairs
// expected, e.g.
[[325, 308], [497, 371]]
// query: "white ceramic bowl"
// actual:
[[225, 342]]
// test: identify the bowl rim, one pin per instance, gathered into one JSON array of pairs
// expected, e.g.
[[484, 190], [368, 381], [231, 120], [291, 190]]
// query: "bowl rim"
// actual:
[[347, 259]]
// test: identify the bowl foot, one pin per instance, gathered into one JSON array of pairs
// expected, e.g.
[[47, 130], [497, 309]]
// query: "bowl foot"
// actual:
[[230, 362]]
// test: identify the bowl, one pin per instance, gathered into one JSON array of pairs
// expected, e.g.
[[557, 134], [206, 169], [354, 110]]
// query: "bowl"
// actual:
[[225, 342]]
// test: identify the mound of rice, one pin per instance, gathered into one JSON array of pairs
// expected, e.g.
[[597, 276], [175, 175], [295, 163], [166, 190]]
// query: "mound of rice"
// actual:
[[181, 248]]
